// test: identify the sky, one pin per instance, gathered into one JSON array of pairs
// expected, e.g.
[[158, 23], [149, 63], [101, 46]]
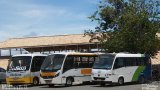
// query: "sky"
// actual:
[[30, 18]]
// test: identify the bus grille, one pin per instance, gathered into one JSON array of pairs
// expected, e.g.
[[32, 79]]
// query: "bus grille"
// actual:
[[97, 78], [48, 81], [47, 77]]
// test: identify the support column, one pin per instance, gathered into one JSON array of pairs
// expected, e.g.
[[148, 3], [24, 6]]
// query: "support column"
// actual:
[[31, 50], [20, 50], [77, 49], [97, 47], [49, 51], [53, 49], [10, 52], [65, 48], [42, 51], [89, 49], [0, 52]]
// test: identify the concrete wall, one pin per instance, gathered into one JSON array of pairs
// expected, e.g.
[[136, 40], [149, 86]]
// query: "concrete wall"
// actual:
[[4, 63], [156, 59]]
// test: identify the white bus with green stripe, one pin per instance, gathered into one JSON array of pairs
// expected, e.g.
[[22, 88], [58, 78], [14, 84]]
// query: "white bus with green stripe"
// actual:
[[121, 68]]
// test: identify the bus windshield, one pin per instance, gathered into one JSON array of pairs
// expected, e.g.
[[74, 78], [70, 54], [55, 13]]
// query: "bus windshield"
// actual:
[[53, 62], [104, 62], [19, 63]]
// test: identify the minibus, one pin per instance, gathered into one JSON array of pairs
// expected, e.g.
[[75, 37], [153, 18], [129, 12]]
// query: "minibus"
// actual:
[[121, 68], [67, 68], [24, 69]]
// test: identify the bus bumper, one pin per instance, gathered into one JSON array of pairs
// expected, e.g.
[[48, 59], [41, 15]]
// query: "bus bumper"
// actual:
[[107, 82], [26, 80], [102, 80], [51, 81]]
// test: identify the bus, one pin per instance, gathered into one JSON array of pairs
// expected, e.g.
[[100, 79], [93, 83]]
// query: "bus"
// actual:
[[24, 69], [121, 68], [67, 68]]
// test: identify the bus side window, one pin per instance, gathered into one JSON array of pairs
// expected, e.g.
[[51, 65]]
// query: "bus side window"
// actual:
[[146, 60], [140, 61], [76, 62], [130, 61], [36, 63], [91, 61], [84, 62], [119, 62], [69, 63]]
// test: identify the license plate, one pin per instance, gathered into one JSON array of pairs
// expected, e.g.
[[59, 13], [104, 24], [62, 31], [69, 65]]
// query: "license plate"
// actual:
[[48, 81], [99, 79]]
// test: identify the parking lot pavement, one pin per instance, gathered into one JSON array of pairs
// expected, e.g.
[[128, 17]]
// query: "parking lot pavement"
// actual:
[[153, 86]]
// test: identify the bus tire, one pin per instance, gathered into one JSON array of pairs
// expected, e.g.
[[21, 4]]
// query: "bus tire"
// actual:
[[141, 80], [35, 81], [51, 85], [69, 82], [15, 85], [102, 84], [121, 81]]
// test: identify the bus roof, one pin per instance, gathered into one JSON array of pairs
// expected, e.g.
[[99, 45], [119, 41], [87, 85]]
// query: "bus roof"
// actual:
[[75, 53], [129, 55], [29, 55], [125, 55]]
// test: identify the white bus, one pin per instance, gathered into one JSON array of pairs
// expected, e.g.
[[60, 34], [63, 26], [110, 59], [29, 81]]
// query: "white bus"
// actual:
[[67, 68], [121, 68], [24, 69]]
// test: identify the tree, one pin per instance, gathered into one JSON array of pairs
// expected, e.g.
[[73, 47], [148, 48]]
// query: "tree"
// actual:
[[127, 25]]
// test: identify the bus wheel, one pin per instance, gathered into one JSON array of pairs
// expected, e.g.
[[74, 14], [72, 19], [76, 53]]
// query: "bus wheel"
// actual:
[[14, 85], [141, 80], [120, 81], [69, 82], [102, 84], [51, 85], [35, 81]]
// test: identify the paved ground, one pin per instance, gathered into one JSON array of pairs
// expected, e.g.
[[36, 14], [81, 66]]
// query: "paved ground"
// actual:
[[87, 87]]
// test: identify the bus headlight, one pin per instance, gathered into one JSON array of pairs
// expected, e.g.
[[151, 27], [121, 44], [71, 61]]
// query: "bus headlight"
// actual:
[[56, 75], [108, 75]]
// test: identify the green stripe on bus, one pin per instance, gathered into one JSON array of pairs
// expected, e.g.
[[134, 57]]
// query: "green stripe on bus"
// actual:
[[137, 73]]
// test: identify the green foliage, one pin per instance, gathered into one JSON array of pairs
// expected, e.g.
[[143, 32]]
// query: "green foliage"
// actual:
[[128, 25]]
